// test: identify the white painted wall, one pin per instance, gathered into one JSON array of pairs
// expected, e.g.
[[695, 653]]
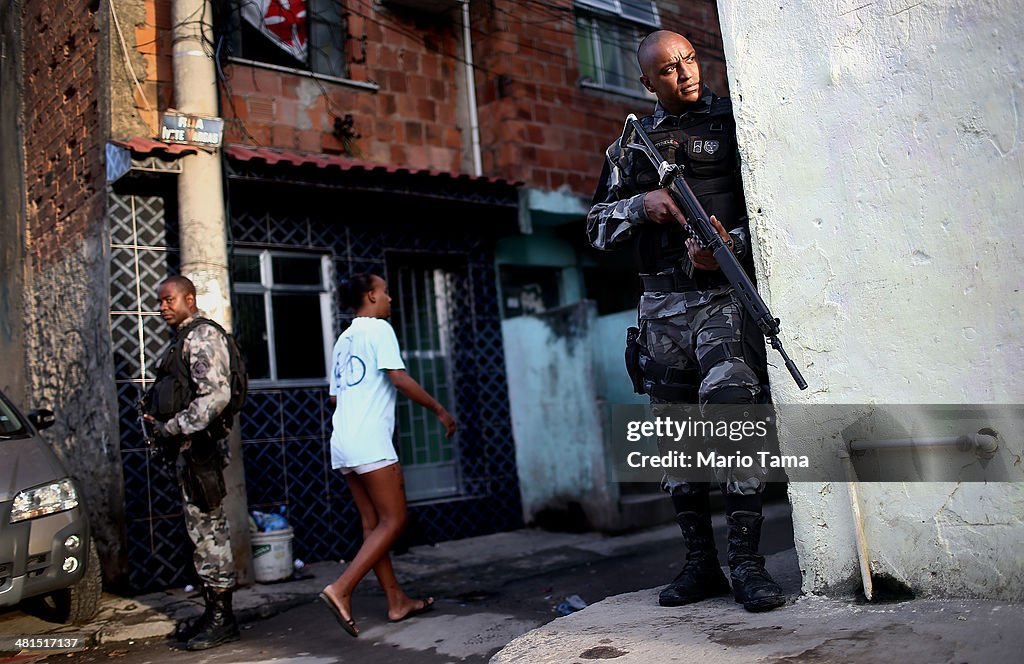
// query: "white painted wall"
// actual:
[[884, 171]]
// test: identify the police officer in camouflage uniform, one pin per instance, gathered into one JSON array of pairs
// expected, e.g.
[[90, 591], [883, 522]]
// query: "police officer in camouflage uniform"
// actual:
[[700, 346], [200, 433]]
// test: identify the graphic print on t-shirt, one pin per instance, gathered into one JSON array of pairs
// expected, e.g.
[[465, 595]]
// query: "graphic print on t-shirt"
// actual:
[[364, 414], [351, 371]]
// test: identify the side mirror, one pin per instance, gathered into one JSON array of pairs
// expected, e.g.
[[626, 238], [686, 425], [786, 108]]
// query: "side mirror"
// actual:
[[42, 418]]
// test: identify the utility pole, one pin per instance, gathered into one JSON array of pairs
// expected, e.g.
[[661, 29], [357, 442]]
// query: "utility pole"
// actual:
[[202, 224]]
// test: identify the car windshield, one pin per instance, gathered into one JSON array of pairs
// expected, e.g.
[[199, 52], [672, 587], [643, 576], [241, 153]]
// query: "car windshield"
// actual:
[[10, 423]]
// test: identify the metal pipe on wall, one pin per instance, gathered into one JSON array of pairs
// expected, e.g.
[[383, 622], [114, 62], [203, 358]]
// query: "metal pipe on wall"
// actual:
[[474, 119], [985, 443]]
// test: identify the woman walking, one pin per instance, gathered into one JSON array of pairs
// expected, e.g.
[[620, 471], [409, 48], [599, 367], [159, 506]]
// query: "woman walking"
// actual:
[[366, 375]]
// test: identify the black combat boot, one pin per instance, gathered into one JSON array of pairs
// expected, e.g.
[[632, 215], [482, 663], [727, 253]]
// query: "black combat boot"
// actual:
[[220, 627], [189, 627], [701, 576], [752, 586]]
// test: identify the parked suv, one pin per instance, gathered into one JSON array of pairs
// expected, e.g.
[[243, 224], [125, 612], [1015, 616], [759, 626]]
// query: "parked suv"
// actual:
[[46, 551]]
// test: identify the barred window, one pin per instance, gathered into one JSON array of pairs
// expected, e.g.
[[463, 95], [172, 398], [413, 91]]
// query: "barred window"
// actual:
[[283, 314]]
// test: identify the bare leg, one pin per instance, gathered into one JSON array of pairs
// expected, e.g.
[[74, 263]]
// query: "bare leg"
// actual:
[[380, 499], [399, 604]]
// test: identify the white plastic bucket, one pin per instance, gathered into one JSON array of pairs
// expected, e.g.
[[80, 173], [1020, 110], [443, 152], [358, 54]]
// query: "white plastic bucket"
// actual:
[[271, 555]]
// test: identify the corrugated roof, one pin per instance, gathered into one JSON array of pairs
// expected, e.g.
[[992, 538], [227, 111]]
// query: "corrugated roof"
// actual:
[[271, 156], [144, 147]]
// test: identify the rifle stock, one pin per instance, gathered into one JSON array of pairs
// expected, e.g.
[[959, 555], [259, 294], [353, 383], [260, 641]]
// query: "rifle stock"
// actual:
[[702, 230]]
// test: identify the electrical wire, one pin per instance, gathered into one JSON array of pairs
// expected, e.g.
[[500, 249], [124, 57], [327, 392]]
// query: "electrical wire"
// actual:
[[127, 58], [548, 13], [224, 81], [478, 67]]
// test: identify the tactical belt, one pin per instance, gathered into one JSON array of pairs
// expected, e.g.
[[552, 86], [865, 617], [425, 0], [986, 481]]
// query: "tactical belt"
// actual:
[[662, 374], [685, 394], [668, 283], [669, 384], [665, 375]]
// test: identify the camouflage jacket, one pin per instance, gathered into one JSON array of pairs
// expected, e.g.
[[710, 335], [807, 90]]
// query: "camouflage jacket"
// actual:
[[206, 353]]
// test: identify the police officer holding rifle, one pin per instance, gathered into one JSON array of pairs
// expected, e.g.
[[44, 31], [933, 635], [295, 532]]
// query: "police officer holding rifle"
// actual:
[[702, 325]]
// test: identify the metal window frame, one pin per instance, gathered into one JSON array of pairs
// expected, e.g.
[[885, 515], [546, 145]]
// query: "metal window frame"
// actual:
[[593, 21], [267, 288], [437, 319], [362, 85], [614, 7], [235, 34]]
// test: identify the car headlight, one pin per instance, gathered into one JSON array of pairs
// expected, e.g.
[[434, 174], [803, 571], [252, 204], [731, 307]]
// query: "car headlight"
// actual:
[[43, 500]]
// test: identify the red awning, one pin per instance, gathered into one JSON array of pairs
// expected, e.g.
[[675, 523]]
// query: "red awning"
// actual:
[[273, 156], [260, 164], [145, 147]]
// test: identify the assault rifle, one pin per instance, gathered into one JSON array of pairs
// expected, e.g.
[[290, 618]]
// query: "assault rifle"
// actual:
[[699, 227]]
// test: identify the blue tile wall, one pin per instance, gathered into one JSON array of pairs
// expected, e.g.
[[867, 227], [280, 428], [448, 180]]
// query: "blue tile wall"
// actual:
[[286, 431]]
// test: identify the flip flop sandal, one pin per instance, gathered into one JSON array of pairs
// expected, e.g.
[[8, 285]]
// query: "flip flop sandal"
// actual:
[[347, 625], [428, 605]]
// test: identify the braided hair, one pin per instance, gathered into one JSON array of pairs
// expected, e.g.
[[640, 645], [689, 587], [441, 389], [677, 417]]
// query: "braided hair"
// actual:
[[354, 288]]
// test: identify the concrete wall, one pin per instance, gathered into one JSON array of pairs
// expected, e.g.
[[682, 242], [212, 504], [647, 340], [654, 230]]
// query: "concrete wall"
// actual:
[[135, 109], [883, 167], [542, 248], [609, 354], [69, 363], [552, 384], [565, 372]]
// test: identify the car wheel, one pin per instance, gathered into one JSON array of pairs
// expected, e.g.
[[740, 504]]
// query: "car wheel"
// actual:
[[79, 603]]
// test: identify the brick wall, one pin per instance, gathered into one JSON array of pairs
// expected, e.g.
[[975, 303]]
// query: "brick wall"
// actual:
[[411, 120], [63, 129], [153, 39], [538, 124], [69, 365]]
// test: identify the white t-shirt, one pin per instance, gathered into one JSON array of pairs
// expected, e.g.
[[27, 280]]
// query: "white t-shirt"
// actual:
[[364, 419]]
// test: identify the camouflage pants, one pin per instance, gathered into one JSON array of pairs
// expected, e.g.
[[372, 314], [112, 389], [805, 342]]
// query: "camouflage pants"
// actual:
[[209, 532], [708, 340]]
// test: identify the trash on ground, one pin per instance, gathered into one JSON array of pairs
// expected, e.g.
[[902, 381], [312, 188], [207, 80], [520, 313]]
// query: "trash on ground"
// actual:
[[571, 604], [576, 602]]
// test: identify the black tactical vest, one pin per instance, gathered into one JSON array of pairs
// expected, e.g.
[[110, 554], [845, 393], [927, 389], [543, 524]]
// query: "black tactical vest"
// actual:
[[173, 389], [704, 144]]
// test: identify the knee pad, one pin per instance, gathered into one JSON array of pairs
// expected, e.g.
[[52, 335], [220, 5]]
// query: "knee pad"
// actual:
[[730, 395], [743, 502], [692, 502]]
